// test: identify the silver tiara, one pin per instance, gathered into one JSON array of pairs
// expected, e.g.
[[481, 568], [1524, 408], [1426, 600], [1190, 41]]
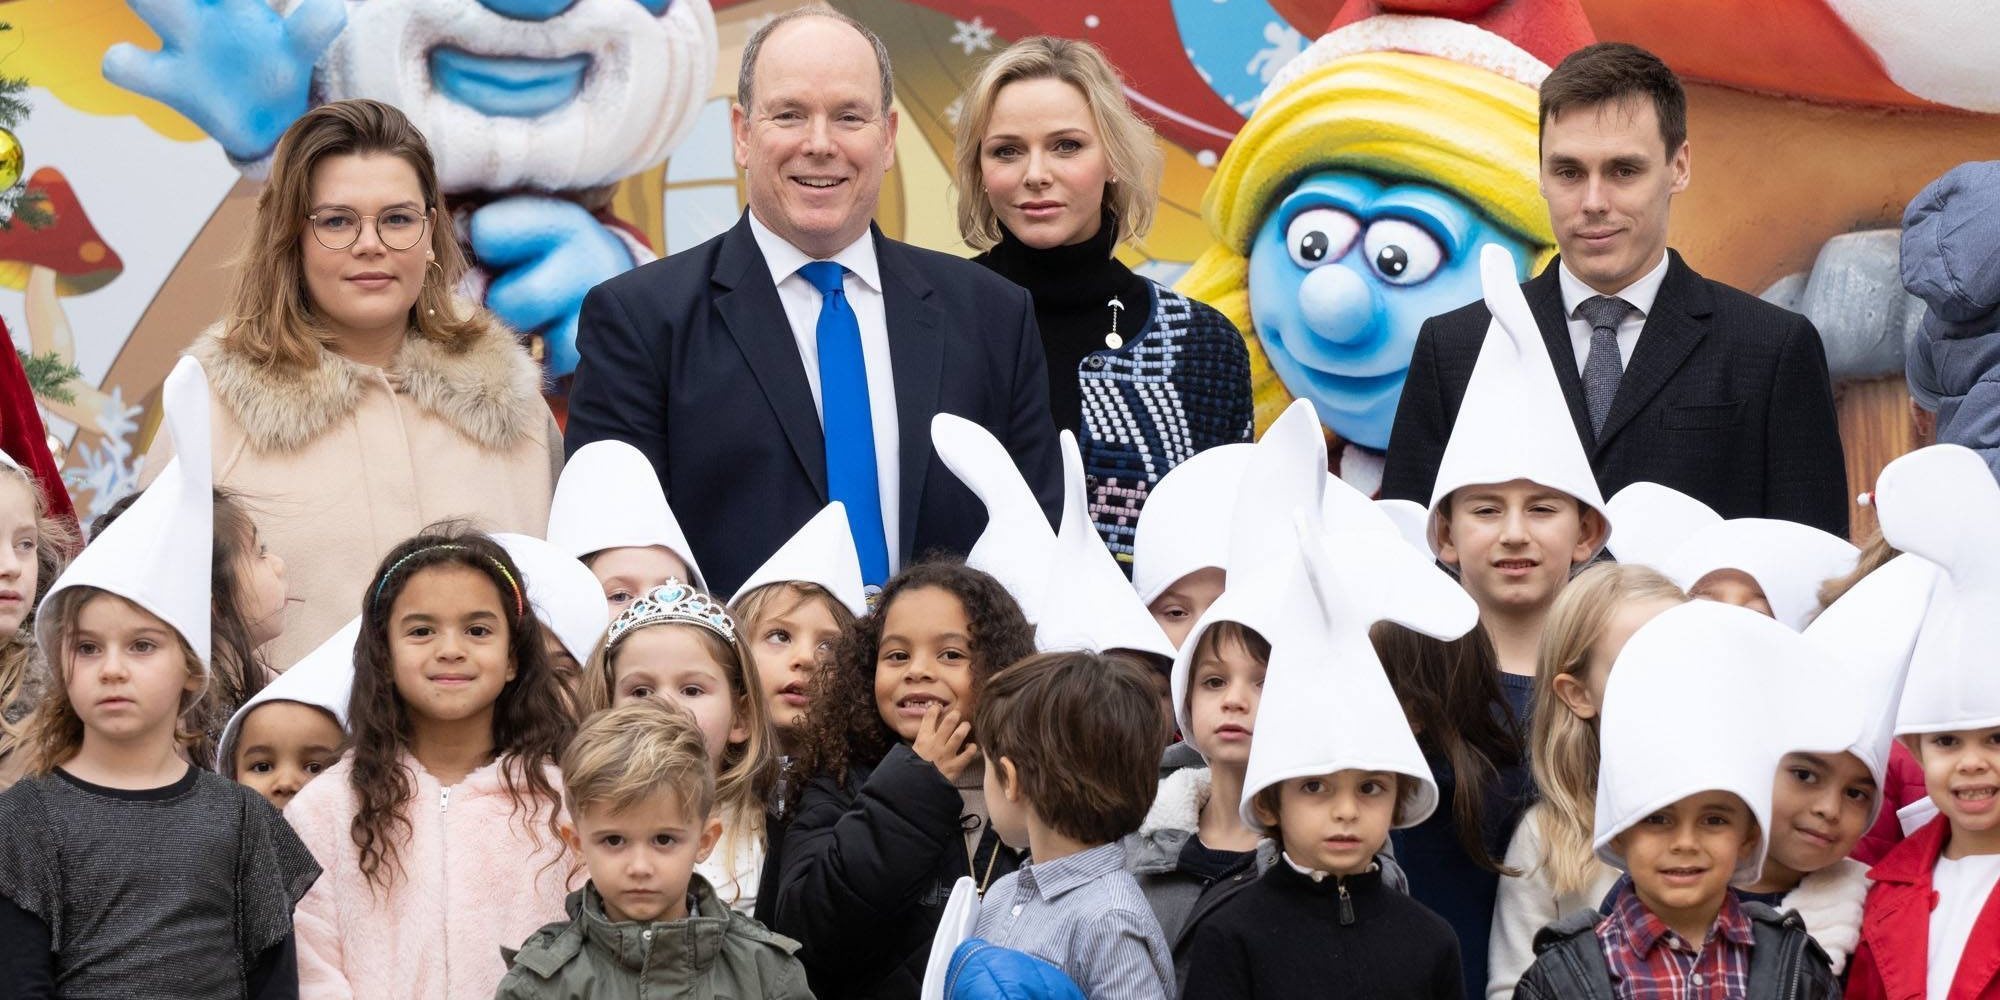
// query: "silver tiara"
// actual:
[[673, 601]]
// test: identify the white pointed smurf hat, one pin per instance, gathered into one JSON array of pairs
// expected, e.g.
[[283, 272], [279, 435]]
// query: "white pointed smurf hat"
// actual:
[[609, 497], [160, 552], [1942, 503], [1686, 541], [1327, 704], [323, 678], [1086, 602], [822, 552], [564, 592], [1181, 527], [1285, 471], [1017, 544], [1687, 710], [1411, 520], [1871, 631], [1514, 422]]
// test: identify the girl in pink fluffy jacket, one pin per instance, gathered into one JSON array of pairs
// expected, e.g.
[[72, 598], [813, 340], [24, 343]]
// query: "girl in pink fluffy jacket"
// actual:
[[439, 833]]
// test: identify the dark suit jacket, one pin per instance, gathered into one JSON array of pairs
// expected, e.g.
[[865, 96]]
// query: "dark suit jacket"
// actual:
[[691, 360], [1726, 398]]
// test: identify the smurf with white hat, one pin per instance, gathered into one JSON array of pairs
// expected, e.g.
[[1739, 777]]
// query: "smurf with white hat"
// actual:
[[610, 512], [567, 600], [1769, 565], [793, 608], [1684, 791], [1334, 768], [1934, 893], [296, 727], [1515, 508]]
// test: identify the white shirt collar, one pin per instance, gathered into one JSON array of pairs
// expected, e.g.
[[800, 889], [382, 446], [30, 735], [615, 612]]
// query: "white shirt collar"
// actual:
[[784, 259], [1639, 294], [1311, 873]]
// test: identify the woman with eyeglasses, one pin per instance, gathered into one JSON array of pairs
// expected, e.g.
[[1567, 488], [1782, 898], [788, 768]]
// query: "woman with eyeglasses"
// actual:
[[357, 396]]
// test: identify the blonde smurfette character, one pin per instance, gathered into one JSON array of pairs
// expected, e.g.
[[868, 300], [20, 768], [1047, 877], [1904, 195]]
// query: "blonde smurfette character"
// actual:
[[551, 101], [1352, 206]]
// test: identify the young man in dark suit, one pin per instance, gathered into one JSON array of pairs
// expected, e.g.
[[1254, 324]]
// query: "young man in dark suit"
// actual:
[[1670, 377], [799, 357]]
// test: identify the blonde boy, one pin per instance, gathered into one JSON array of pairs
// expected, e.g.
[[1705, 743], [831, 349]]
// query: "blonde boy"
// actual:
[[641, 798]]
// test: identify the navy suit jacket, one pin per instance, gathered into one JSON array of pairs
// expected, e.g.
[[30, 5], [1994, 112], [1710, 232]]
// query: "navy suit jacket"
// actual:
[[1726, 398], [691, 360]]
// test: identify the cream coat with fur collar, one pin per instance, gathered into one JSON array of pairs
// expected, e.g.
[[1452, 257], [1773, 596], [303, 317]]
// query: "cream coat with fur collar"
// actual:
[[342, 462]]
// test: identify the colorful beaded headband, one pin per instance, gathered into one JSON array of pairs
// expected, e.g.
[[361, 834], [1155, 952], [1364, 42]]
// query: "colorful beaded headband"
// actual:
[[520, 603], [673, 601]]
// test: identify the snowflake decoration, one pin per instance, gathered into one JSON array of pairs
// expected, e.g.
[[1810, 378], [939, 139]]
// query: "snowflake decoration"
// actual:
[[972, 36], [1282, 45], [108, 471], [954, 109]]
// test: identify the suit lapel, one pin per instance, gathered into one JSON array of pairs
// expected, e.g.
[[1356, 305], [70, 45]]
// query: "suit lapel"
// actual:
[[1672, 331], [916, 361], [1544, 295], [750, 309]]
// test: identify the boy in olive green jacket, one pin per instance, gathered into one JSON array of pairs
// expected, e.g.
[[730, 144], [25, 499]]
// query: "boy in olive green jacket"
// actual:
[[640, 796]]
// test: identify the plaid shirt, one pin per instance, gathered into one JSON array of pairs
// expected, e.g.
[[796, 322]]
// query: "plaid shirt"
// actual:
[[1650, 962]]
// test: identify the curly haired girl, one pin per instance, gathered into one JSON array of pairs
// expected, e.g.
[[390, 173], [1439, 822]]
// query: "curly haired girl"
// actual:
[[892, 811]]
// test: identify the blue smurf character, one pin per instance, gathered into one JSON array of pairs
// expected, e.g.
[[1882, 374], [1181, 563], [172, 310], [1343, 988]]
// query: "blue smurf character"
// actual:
[[1352, 206]]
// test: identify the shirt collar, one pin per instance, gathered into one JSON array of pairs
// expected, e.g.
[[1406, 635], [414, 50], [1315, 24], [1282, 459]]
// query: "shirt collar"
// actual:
[[1050, 879], [784, 259], [1644, 931], [1639, 294]]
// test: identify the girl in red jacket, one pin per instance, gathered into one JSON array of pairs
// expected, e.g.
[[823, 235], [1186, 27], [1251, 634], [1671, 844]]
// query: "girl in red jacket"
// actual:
[[1931, 927]]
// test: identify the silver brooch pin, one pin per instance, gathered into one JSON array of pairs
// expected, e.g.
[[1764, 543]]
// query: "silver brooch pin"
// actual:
[[1112, 339]]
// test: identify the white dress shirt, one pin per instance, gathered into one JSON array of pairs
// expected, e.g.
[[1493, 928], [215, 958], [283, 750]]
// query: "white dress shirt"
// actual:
[[863, 287], [1639, 294]]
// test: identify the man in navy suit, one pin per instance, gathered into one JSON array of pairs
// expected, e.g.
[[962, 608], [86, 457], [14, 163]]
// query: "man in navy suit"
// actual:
[[1670, 377], [799, 357]]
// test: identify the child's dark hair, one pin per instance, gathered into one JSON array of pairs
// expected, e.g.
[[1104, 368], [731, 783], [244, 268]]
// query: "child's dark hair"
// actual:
[[1082, 731], [531, 722], [843, 726], [1451, 693]]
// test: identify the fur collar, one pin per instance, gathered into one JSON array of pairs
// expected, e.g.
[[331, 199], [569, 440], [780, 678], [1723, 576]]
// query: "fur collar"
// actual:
[[490, 391], [1177, 805], [1829, 901]]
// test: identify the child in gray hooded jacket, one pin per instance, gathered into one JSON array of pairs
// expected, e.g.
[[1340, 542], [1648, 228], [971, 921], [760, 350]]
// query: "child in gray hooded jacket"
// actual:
[[1951, 260]]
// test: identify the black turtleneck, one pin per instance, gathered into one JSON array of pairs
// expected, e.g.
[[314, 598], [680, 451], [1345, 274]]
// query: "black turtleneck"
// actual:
[[1071, 286], [1289, 936]]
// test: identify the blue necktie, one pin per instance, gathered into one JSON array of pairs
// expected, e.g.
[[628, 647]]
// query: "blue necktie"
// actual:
[[844, 417]]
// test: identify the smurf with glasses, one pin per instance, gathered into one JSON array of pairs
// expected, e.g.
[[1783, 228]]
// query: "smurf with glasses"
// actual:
[[535, 108]]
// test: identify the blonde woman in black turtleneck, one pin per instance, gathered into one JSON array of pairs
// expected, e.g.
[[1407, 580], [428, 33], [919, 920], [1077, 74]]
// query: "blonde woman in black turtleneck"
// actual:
[[1054, 170]]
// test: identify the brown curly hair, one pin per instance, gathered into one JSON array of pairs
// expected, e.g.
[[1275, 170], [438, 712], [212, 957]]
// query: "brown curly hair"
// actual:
[[531, 721], [843, 727]]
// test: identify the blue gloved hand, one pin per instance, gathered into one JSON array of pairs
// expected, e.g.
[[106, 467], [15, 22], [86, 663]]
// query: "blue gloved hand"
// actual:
[[234, 67], [543, 254]]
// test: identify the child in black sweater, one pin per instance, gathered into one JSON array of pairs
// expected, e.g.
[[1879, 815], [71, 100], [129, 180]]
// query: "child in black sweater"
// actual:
[[1333, 768]]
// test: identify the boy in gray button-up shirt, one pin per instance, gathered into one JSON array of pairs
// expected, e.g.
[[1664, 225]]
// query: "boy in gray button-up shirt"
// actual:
[[1072, 745]]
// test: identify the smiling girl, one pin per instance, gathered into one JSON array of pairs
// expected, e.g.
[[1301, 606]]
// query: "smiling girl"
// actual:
[[893, 812], [440, 833]]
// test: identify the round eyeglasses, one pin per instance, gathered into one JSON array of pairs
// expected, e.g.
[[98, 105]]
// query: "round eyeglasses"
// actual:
[[340, 228]]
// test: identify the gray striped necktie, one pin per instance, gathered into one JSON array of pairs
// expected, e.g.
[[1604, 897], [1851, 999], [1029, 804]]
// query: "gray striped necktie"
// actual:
[[1604, 367]]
